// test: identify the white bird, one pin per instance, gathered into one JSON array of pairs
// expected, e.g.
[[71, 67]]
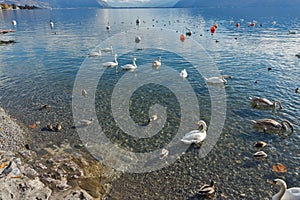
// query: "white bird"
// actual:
[[14, 22], [108, 49], [157, 63], [196, 136], [108, 26], [284, 193], [111, 64], [217, 80], [86, 122], [183, 74], [51, 24], [130, 66], [83, 92], [292, 32], [95, 54]]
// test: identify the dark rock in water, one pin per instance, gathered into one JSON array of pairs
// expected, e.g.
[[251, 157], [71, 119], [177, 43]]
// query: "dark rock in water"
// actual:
[[269, 68], [2, 42]]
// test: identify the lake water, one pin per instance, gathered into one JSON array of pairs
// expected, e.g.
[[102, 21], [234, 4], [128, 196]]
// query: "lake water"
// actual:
[[42, 66]]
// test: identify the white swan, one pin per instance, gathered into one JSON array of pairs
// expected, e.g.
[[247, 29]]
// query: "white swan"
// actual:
[[217, 80], [157, 63], [183, 74], [284, 193], [109, 49], [111, 64], [130, 66], [196, 136], [95, 54]]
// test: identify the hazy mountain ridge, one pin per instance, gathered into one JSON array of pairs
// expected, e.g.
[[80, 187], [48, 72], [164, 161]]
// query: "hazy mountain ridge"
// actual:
[[236, 3], [61, 3]]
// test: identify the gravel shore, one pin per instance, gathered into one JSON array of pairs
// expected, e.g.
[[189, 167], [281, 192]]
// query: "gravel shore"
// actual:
[[12, 136], [56, 174]]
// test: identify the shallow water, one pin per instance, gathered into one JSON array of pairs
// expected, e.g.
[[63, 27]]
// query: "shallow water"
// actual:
[[42, 66]]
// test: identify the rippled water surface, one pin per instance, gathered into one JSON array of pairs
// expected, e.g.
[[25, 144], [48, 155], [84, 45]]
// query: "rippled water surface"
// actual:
[[42, 66]]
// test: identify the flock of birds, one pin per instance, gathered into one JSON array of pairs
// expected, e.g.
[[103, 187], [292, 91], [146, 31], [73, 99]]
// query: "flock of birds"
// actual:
[[198, 136]]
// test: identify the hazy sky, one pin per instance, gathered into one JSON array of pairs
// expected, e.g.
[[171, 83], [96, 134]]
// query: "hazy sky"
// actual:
[[137, 2]]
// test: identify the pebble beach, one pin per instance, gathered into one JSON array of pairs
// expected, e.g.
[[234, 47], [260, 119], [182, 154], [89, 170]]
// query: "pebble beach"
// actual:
[[56, 174]]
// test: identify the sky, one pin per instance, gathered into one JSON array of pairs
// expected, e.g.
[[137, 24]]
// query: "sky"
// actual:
[[138, 2]]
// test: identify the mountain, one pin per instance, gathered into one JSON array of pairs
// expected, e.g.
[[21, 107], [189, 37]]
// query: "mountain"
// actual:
[[236, 3], [61, 3], [160, 4]]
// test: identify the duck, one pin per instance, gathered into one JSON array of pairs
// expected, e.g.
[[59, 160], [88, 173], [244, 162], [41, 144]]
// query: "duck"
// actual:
[[195, 136], [260, 154], [157, 63], [95, 54], [45, 106], [297, 90], [218, 80], [164, 153], [207, 189], [260, 144], [284, 193], [58, 127], [272, 125], [111, 64], [264, 103], [84, 92], [297, 55], [152, 118], [130, 66], [108, 26], [137, 21], [137, 39], [183, 73]]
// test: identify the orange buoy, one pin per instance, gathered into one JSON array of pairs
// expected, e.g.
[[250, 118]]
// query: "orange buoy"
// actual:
[[237, 25], [213, 29], [182, 37], [252, 24]]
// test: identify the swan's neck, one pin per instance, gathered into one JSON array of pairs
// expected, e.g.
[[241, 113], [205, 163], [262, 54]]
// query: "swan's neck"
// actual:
[[204, 126], [277, 102], [280, 194], [134, 62]]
